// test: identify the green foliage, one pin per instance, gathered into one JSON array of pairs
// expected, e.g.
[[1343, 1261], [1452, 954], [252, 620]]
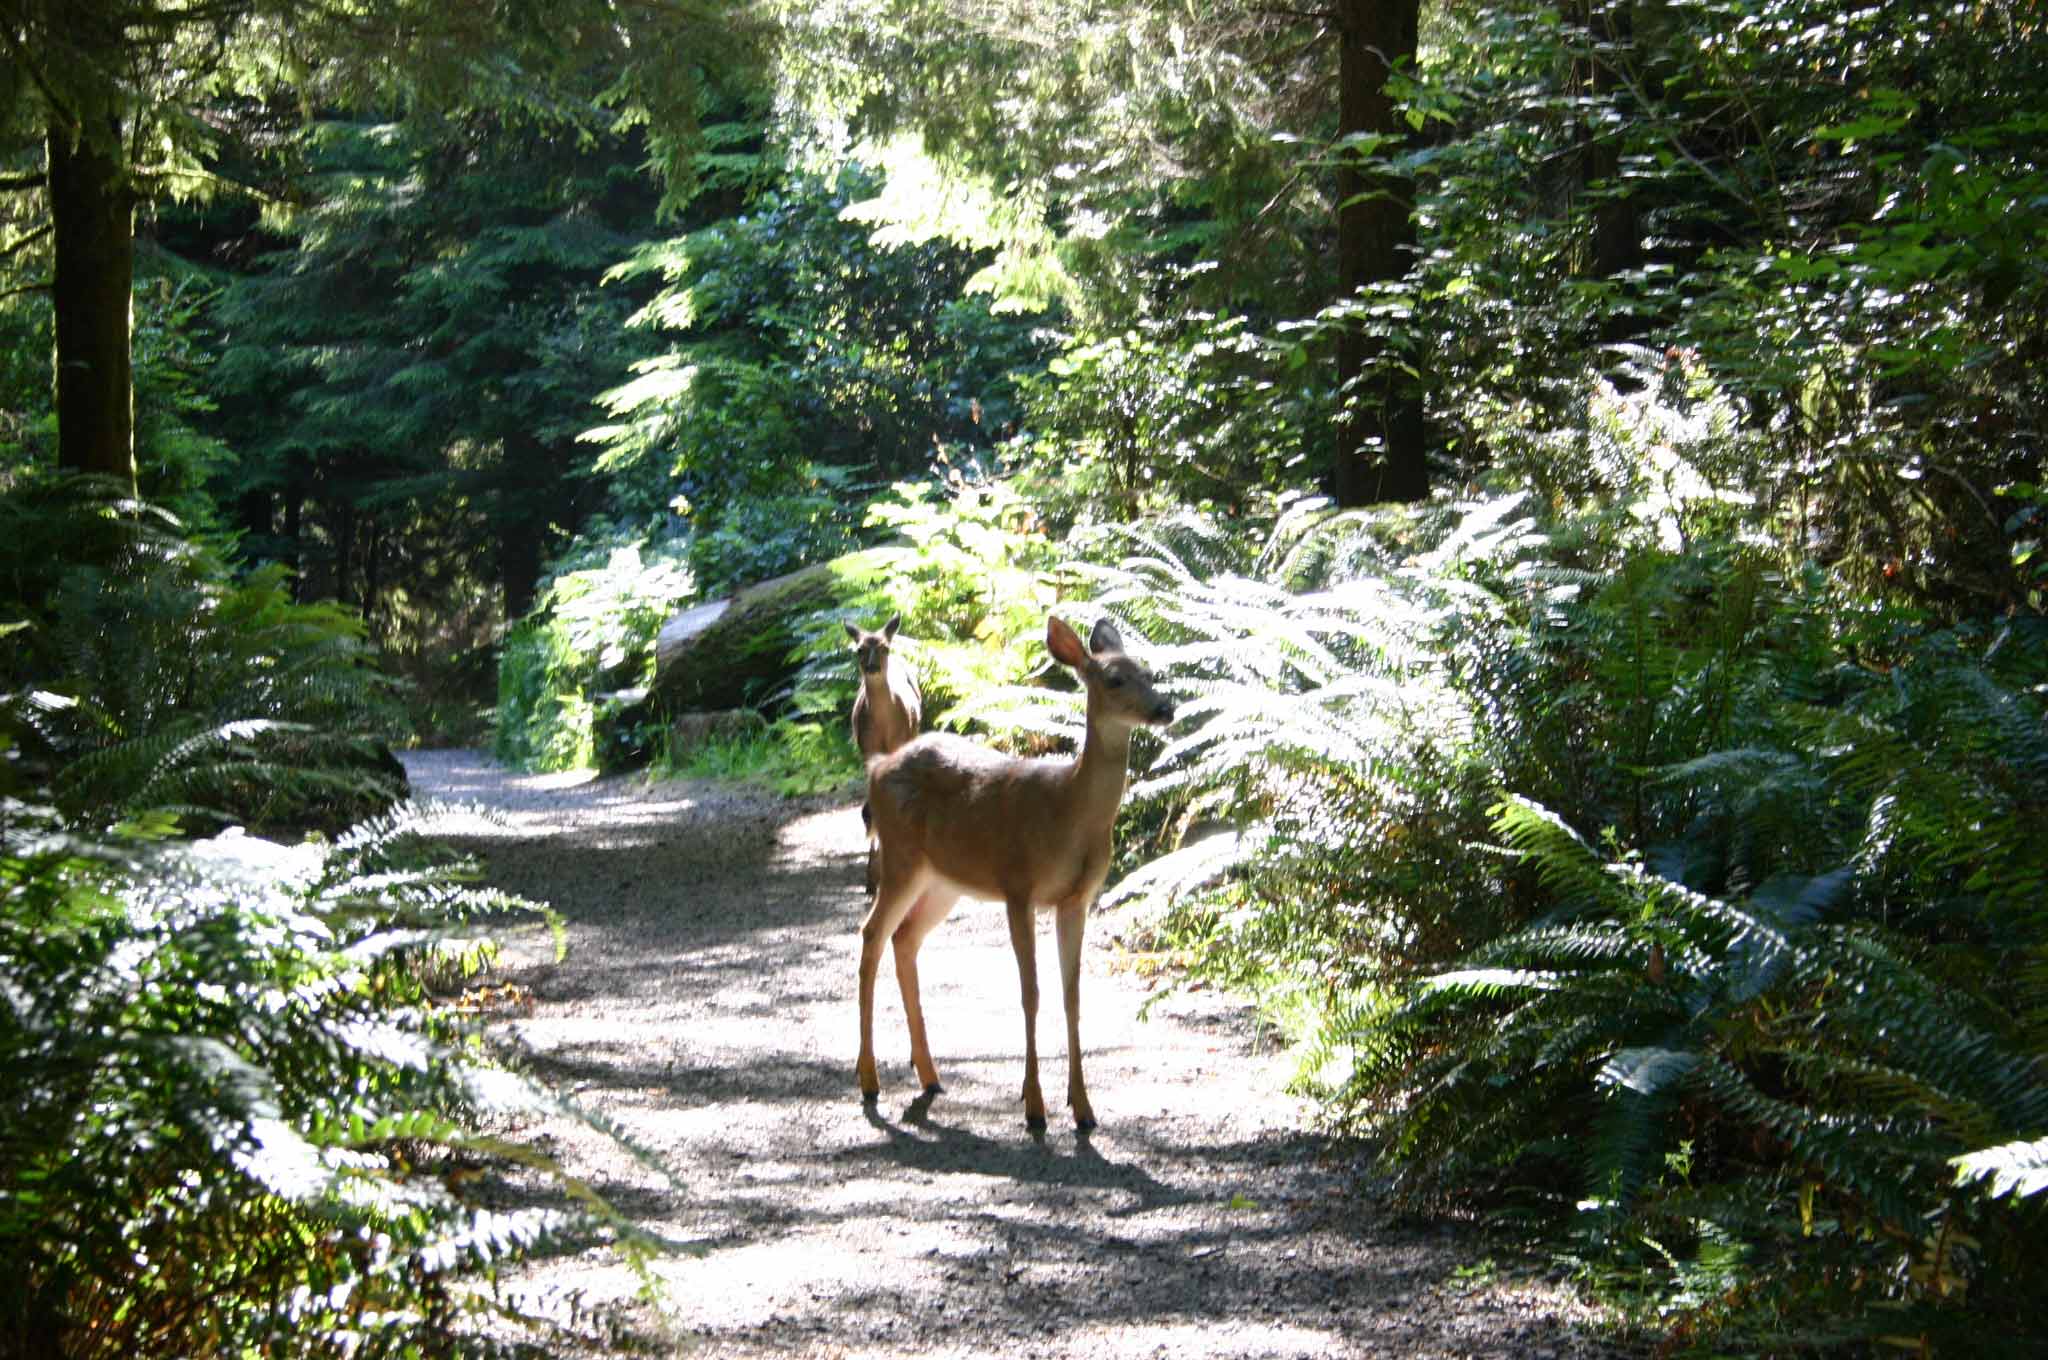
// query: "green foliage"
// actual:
[[234, 1116], [174, 455], [793, 757], [970, 581], [761, 536], [156, 681], [592, 634], [1817, 207], [1805, 961], [410, 359], [804, 360], [1178, 411]]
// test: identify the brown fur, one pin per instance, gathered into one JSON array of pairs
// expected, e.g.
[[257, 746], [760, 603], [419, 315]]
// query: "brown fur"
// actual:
[[887, 710], [956, 819], [889, 707]]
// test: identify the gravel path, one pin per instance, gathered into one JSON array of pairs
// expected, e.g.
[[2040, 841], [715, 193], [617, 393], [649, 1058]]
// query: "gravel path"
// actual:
[[707, 1006]]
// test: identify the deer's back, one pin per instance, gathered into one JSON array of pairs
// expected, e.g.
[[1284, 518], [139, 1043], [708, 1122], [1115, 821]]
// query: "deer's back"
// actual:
[[992, 824]]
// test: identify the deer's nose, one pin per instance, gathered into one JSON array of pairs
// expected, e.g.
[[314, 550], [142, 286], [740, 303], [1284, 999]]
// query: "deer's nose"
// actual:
[[1162, 712]]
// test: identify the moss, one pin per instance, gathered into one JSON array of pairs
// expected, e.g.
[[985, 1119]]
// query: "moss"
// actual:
[[740, 658]]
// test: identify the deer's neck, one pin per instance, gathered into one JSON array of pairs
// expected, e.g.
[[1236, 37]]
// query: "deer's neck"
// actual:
[[1096, 784]]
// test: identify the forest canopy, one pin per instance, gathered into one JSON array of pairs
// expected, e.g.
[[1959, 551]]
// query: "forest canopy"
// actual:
[[1579, 463]]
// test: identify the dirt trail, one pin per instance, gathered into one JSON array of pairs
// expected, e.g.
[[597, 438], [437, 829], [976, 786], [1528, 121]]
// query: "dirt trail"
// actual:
[[707, 1005]]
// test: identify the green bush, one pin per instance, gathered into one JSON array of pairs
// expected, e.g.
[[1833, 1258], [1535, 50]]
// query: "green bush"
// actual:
[[149, 677], [1624, 870], [592, 633], [233, 1116], [792, 757], [972, 577]]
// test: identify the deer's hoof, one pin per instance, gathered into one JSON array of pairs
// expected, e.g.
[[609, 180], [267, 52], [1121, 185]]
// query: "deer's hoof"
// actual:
[[935, 1089], [870, 1098], [1035, 1122], [1084, 1123]]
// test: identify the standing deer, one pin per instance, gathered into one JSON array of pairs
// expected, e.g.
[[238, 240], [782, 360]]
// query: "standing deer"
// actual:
[[888, 709], [954, 819]]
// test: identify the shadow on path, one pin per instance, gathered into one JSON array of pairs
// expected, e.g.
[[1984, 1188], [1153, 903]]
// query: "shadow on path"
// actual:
[[706, 1007]]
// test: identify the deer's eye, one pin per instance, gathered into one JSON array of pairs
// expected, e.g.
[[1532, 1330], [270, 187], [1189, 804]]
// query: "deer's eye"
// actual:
[[1113, 682]]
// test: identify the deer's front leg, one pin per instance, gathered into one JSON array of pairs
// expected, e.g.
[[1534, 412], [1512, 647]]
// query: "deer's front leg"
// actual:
[[1023, 941], [1072, 923]]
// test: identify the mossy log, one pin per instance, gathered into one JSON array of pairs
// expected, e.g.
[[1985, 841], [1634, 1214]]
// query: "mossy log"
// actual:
[[735, 653]]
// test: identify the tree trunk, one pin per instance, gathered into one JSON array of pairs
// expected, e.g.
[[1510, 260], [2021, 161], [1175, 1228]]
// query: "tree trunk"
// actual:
[[1381, 455], [1616, 245], [294, 544], [92, 211], [519, 569], [372, 540], [521, 524], [345, 554]]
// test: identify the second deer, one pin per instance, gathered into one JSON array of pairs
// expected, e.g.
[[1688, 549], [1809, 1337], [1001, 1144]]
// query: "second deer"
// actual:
[[888, 708], [956, 819]]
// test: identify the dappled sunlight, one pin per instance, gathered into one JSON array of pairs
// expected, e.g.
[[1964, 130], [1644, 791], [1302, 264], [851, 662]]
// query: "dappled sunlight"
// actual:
[[823, 836], [1195, 1337], [707, 1009], [525, 806]]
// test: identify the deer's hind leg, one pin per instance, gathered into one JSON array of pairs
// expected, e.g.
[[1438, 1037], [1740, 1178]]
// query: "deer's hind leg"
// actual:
[[932, 906], [897, 894]]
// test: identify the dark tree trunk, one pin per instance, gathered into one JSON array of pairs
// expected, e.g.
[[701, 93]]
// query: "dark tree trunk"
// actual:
[[521, 524], [1616, 237], [519, 570], [1381, 455], [294, 543], [92, 211], [345, 555], [371, 539]]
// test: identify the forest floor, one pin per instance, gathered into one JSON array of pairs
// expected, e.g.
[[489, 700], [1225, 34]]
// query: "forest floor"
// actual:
[[706, 1005]]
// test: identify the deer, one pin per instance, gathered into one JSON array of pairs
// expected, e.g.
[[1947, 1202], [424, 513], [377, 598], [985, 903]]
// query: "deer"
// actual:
[[888, 709], [954, 818]]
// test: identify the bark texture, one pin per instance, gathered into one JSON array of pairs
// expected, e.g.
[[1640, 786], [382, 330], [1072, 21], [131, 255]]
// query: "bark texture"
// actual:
[[1381, 450], [92, 211]]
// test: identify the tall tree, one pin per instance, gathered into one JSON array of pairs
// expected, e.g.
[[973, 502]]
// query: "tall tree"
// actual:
[[1184, 149], [413, 368], [1381, 454], [117, 90]]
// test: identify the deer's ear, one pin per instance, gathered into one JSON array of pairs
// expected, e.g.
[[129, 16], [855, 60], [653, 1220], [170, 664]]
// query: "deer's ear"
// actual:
[[889, 628], [1063, 642], [851, 631], [1105, 638]]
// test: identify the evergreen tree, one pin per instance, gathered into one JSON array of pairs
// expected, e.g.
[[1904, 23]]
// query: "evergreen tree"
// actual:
[[406, 380], [117, 93]]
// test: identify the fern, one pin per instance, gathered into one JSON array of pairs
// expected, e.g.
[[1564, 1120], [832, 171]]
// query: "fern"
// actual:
[[2019, 1169], [234, 1044]]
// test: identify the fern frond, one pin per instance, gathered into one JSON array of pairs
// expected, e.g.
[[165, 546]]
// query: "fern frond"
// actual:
[[2019, 1169]]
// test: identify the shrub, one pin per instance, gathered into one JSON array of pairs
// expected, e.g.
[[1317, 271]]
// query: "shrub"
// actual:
[[1621, 868], [164, 682], [592, 632], [233, 1117]]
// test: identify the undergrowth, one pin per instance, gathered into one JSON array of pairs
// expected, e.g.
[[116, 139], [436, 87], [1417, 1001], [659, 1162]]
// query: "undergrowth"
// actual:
[[1635, 882]]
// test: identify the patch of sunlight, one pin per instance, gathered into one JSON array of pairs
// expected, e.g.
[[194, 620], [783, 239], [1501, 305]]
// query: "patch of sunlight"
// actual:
[[631, 809], [924, 198], [559, 803], [551, 782], [1187, 1338], [822, 836], [747, 1286], [928, 1201]]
